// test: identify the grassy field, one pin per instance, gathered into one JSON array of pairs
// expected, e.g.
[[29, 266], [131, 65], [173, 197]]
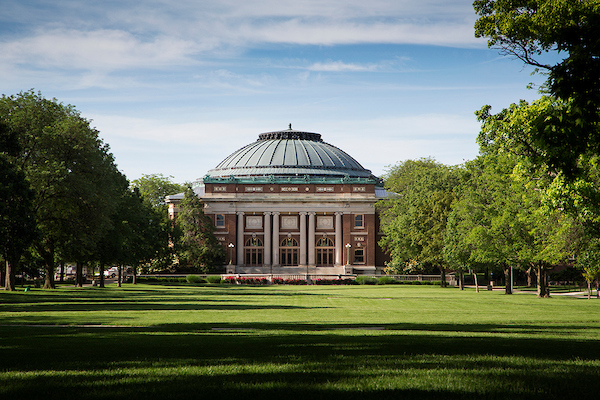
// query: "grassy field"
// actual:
[[296, 342]]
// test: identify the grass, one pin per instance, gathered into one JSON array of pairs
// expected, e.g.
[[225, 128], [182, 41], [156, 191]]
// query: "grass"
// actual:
[[334, 342]]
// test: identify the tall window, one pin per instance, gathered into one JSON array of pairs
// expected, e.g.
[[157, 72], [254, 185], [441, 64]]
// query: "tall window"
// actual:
[[359, 256], [289, 251], [254, 251], [220, 221], [359, 221], [325, 252]]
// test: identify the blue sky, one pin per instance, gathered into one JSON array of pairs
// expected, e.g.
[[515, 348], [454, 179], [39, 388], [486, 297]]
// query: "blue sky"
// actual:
[[175, 87]]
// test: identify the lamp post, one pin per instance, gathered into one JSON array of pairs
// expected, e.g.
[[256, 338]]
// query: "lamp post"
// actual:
[[231, 246], [348, 245]]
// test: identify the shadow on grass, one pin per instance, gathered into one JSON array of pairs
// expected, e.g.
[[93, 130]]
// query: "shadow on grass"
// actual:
[[279, 360], [291, 362]]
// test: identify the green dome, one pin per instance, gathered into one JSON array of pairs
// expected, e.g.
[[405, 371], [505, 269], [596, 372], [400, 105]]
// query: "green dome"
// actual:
[[289, 153]]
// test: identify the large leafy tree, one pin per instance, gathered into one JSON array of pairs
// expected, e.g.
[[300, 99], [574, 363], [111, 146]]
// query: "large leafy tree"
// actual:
[[499, 218], [414, 222], [527, 29], [589, 263], [138, 234], [71, 172], [198, 247], [17, 222]]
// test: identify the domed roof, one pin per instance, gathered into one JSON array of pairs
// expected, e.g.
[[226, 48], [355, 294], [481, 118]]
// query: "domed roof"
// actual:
[[290, 153]]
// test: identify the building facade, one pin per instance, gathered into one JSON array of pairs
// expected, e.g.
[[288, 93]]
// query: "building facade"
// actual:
[[291, 203]]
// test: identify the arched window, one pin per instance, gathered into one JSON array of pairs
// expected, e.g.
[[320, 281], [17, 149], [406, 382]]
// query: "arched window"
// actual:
[[289, 251], [289, 242], [325, 242], [325, 252], [254, 251], [254, 242]]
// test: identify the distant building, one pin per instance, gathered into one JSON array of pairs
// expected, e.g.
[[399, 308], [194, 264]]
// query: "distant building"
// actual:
[[291, 203]]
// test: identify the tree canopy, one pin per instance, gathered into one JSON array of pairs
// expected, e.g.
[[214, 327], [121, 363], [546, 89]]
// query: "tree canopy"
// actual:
[[414, 222], [198, 248], [155, 187], [566, 127], [71, 172]]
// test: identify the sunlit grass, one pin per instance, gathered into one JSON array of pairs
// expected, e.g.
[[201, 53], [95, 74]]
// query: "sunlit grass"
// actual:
[[148, 341]]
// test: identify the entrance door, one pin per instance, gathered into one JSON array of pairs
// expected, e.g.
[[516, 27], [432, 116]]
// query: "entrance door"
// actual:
[[325, 252], [289, 252], [254, 251]]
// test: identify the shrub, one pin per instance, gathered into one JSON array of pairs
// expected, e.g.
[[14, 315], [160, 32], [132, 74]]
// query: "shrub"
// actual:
[[194, 279], [213, 279], [230, 280], [366, 280], [295, 282], [386, 280], [253, 281], [278, 281]]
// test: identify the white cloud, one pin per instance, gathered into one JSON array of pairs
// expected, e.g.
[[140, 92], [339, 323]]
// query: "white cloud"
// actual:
[[160, 34], [340, 66], [97, 50]]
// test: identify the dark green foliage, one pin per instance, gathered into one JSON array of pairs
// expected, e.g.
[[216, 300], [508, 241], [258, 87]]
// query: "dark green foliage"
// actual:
[[71, 172], [213, 279], [198, 248], [193, 279], [17, 217]]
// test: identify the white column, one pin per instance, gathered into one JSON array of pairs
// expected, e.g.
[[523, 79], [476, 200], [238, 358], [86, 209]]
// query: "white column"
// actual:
[[267, 239], [275, 238], [240, 238], [302, 238], [338, 238], [311, 238]]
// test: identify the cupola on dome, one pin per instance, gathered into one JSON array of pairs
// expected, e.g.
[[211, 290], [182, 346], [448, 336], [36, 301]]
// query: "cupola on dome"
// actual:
[[290, 153]]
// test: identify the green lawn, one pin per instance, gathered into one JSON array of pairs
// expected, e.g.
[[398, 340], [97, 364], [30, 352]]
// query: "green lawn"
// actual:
[[298, 342]]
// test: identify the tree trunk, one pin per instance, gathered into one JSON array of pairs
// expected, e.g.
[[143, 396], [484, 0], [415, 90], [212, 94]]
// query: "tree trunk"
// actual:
[[134, 278], [589, 288], [49, 265], [101, 275], [542, 281], [9, 284], [461, 279], [119, 276], [62, 271], [507, 281], [476, 282], [443, 276], [531, 278], [79, 274]]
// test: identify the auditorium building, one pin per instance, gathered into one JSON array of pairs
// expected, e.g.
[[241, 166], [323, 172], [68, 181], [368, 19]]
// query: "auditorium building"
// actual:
[[292, 203]]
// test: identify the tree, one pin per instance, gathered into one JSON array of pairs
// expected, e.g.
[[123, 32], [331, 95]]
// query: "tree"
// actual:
[[414, 222], [526, 29], [499, 218], [71, 172], [17, 222], [155, 187], [198, 247], [589, 262]]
